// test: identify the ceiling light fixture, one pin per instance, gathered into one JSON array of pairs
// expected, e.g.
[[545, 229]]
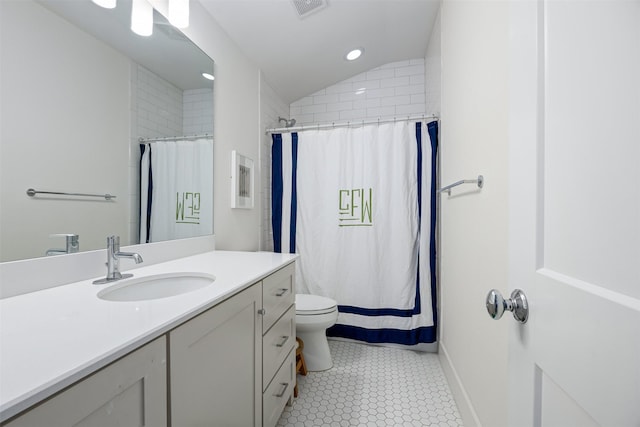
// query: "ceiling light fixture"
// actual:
[[179, 13], [354, 54], [142, 17], [107, 4], [208, 76]]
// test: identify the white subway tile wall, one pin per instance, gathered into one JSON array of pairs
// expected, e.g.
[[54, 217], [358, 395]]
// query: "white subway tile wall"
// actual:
[[392, 90], [197, 112], [159, 106]]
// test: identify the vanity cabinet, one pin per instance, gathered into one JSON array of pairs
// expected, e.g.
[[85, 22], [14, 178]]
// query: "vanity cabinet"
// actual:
[[232, 365], [215, 365], [129, 392], [279, 337]]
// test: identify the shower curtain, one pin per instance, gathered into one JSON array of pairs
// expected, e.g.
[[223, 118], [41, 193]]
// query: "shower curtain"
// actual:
[[176, 189], [358, 205]]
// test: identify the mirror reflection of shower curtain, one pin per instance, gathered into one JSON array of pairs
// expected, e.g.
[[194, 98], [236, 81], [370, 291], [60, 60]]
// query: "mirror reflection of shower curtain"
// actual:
[[358, 205], [176, 189]]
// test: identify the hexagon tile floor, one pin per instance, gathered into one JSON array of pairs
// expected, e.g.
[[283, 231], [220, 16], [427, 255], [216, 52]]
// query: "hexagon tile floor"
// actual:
[[374, 386]]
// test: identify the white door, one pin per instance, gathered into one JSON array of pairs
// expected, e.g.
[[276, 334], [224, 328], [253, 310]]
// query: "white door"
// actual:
[[574, 203]]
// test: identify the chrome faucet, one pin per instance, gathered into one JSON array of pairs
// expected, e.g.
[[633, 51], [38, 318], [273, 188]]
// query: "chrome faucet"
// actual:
[[73, 245], [113, 261]]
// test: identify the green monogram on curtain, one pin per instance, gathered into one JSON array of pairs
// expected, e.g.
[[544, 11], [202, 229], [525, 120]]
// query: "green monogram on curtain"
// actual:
[[191, 203], [355, 207]]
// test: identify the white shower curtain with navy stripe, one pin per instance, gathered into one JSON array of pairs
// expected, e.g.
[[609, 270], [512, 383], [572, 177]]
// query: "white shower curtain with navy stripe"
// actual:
[[358, 205]]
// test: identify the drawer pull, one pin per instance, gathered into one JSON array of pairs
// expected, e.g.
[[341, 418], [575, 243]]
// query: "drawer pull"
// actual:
[[262, 311], [281, 292], [284, 338], [285, 386]]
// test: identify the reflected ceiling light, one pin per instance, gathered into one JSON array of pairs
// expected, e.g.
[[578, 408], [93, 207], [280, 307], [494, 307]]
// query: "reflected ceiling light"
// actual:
[[354, 54], [107, 4], [142, 17], [179, 13], [361, 91], [208, 76]]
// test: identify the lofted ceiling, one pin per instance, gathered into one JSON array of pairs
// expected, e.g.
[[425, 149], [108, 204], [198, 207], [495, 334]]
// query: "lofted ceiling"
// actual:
[[299, 56]]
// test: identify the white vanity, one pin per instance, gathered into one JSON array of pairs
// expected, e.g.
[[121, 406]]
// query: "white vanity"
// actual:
[[222, 354]]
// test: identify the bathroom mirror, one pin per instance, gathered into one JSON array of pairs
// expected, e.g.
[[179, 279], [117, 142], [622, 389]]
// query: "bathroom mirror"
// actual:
[[78, 90]]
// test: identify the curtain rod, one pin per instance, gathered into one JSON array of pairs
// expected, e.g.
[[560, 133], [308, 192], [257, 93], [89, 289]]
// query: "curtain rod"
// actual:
[[175, 138], [351, 123]]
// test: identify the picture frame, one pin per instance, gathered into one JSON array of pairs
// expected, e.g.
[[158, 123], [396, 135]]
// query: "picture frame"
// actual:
[[242, 181]]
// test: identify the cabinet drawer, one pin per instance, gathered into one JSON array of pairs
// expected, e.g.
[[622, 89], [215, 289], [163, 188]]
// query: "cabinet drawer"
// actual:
[[279, 392], [276, 345], [278, 294]]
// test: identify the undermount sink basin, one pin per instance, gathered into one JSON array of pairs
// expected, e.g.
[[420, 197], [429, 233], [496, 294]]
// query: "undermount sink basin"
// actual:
[[156, 286]]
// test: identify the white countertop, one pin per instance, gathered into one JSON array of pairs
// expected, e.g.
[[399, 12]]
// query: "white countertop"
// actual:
[[52, 338]]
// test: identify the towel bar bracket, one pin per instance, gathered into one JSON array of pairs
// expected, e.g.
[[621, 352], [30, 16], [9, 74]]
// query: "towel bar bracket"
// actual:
[[479, 181]]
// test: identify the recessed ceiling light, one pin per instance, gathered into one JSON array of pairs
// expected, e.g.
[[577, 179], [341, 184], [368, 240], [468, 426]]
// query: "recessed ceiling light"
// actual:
[[208, 76], [354, 54]]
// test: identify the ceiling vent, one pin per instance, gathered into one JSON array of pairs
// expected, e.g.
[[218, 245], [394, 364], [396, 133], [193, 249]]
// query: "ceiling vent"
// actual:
[[307, 7]]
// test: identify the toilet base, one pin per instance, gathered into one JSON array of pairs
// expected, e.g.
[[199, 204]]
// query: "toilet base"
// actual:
[[316, 350]]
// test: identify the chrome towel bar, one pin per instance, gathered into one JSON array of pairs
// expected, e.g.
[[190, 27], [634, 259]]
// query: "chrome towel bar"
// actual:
[[31, 192], [479, 181]]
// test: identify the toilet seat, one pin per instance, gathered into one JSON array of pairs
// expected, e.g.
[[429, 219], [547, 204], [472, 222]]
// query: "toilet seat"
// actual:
[[311, 305]]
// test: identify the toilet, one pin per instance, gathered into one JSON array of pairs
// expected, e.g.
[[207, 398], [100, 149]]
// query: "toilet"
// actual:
[[314, 315]]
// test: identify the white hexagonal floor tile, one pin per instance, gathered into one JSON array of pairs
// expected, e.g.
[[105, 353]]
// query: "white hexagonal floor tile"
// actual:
[[371, 385]]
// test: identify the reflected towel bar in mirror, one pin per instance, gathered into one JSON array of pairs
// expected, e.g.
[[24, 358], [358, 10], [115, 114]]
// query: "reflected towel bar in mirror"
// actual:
[[479, 181], [31, 192]]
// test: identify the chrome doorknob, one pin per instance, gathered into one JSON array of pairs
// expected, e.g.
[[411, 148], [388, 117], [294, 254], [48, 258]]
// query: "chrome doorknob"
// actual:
[[517, 304]]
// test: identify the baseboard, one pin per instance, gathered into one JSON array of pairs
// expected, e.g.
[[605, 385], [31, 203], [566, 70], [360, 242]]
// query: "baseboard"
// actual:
[[467, 412]]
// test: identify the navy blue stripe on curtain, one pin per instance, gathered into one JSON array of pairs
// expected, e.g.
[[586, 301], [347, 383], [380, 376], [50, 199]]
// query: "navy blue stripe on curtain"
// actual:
[[425, 334], [276, 191], [149, 189], [294, 192], [432, 129]]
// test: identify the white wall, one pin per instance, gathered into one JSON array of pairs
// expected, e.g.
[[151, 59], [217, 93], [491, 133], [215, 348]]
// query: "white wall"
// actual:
[[51, 142], [473, 347]]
